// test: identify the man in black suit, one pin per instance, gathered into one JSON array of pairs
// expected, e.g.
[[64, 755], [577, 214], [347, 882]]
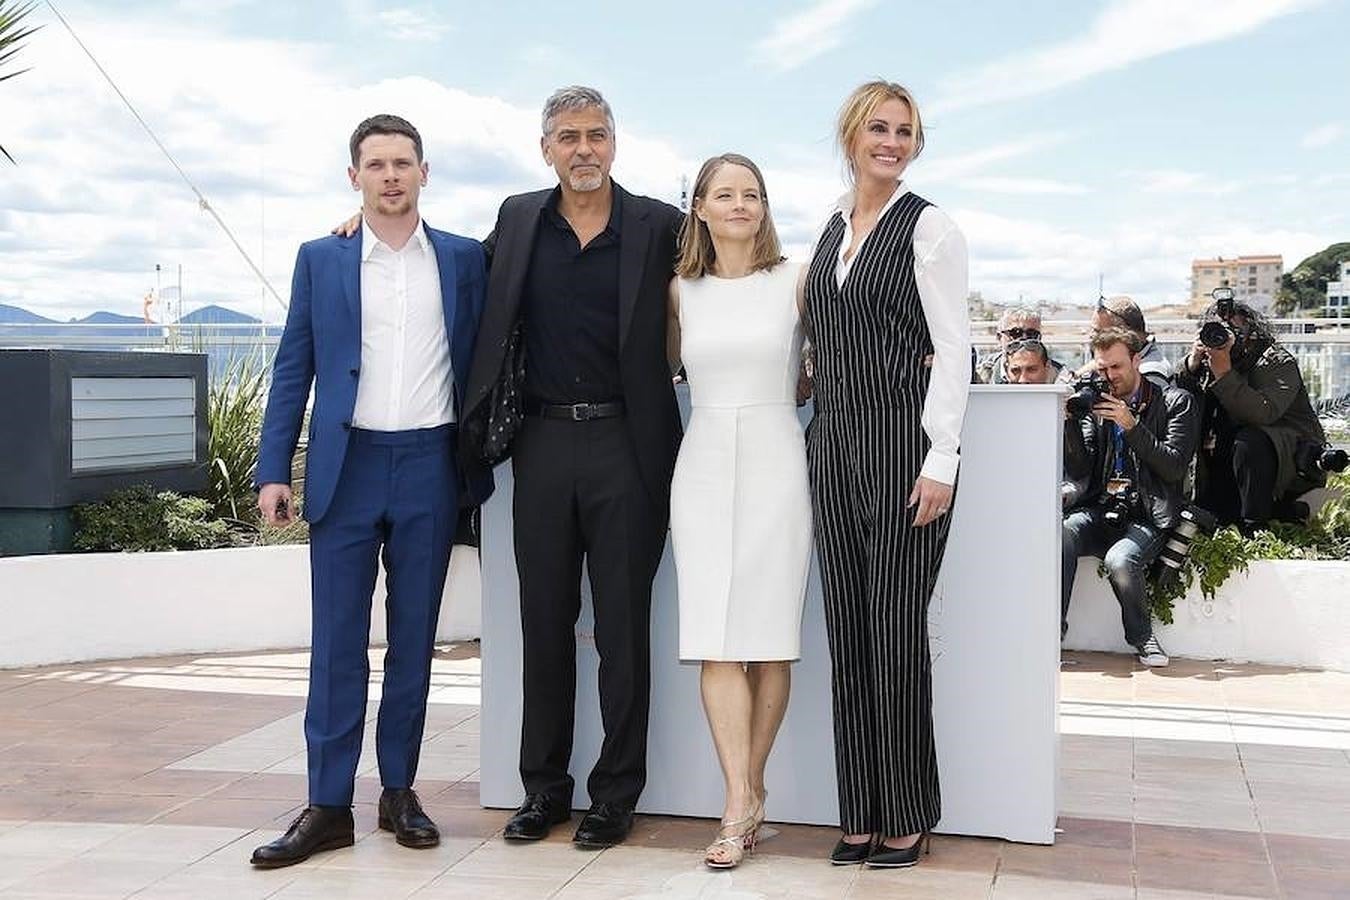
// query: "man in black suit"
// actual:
[[586, 267]]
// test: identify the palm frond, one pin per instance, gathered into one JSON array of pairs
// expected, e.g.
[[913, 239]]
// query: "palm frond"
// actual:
[[12, 34]]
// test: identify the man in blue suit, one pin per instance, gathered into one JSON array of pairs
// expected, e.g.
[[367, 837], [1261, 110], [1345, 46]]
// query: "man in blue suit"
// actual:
[[382, 324]]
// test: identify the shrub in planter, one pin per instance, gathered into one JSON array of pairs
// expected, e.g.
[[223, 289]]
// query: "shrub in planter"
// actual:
[[143, 519], [1214, 558]]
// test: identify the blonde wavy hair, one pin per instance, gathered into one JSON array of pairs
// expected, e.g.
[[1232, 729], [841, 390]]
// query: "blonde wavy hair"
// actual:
[[859, 107]]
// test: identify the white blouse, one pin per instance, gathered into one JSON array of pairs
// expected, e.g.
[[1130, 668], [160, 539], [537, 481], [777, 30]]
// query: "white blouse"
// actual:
[[942, 276]]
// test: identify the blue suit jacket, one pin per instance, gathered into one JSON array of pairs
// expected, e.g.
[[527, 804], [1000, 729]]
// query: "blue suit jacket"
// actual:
[[322, 345]]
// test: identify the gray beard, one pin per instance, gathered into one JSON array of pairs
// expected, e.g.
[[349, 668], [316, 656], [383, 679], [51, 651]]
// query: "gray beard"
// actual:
[[585, 183]]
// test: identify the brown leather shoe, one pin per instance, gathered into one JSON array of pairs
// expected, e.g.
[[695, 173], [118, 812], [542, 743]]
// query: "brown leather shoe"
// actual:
[[401, 813], [316, 829]]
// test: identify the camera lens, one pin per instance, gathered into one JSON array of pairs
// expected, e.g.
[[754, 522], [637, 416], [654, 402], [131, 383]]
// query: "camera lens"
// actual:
[[1213, 335]]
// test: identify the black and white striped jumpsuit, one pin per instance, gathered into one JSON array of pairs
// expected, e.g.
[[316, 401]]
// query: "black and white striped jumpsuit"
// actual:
[[866, 447]]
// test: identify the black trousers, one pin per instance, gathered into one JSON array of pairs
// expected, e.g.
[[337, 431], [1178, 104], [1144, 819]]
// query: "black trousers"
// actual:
[[579, 496], [1240, 477]]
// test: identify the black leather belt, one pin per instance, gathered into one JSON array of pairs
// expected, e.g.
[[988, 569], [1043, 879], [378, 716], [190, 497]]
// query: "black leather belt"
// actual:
[[574, 412]]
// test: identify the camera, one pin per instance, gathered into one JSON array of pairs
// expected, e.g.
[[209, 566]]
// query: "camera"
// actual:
[[1215, 334], [1118, 507], [1311, 459], [1223, 302], [1086, 390], [1194, 520]]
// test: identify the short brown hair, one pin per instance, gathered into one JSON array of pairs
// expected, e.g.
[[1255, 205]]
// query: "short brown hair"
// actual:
[[384, 123], [861, 104], [1109, 337], [697, 253], [1125, 311]]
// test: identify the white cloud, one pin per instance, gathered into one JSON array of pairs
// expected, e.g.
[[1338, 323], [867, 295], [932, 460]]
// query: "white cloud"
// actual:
[[1126, 32], [1322, 136], [1004, 185], [809, 33], [962, 165], [93, 206], [403, 24], [1177, 181]]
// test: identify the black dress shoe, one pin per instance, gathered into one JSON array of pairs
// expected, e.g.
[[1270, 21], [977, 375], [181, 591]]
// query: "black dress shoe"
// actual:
[[846, 854], [536, 816], [402, 814], [316, 829], [884, 857], [605, 825]]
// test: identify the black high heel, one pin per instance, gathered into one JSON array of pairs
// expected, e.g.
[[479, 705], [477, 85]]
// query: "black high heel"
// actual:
[[884, 857], [846, 854]]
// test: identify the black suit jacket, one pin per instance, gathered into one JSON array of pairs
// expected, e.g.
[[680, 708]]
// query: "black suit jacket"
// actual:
[[647, 250]]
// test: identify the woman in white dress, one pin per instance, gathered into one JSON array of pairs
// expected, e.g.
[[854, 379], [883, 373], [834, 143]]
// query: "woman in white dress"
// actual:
[[740, 516]]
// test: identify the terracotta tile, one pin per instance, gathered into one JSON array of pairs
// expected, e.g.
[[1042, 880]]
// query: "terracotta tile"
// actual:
[[1221, 876], [1199, 843], [1024, 887], [120, 808], [1076, 832], [1098, 865], [23, 805], [1309, 852], [232, 813], [1313, 884], [260, 786]]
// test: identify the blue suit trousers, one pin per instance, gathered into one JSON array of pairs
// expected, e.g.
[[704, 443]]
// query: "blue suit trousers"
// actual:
[[396, 500]]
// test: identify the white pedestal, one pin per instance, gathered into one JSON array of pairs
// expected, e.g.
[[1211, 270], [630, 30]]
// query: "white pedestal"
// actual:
[[994, 637]]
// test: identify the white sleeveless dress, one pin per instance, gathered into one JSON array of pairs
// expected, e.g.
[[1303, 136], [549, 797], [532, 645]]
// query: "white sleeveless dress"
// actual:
[[740, 505]]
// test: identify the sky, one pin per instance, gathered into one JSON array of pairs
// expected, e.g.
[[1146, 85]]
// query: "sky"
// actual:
[[1117, 139]]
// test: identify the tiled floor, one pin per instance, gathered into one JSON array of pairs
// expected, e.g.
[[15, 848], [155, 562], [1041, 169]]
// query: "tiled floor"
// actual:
[[155, 778]]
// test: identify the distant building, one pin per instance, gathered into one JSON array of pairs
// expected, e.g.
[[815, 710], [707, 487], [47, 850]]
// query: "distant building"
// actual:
[[1255, 280], [1338, 294]]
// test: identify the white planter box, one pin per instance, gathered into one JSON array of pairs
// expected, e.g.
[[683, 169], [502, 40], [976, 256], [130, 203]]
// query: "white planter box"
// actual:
[[86, 606], [1282, 612]]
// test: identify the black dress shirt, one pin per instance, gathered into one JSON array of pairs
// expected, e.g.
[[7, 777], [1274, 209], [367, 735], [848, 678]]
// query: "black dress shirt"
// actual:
[[571, 308]]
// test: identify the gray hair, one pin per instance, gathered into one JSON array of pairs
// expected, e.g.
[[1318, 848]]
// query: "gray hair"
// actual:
[[1017, 314], [571, 99]]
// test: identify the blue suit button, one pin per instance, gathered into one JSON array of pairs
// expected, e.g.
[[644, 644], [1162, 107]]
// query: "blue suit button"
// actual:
[[355, 372], [346, 426]]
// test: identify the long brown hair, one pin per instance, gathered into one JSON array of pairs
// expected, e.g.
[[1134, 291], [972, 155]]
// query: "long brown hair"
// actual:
[[697, 253]]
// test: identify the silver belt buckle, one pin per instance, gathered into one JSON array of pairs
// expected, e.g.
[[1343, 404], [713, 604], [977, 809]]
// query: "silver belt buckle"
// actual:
[[581, 412]]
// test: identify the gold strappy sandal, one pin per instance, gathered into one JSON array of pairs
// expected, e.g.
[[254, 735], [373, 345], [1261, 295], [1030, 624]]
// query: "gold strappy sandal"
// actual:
[[737, 843]]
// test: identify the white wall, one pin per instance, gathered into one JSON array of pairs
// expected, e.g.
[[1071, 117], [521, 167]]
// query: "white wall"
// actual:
[[1282, 612], [84, 606]]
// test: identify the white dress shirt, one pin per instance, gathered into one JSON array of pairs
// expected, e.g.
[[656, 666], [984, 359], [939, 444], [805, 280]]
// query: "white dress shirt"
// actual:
[[406, 380], [942, 277]]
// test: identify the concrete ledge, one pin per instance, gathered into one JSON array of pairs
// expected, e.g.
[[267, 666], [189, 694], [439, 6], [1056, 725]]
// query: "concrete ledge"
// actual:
[[87, 606], [1282, 612]]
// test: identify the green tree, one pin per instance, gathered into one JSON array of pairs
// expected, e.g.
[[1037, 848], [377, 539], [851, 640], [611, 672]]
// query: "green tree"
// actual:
[[1305, 286], [12, 34]]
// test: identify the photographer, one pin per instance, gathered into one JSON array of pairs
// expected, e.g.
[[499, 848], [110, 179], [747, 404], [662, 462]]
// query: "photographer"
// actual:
[[1128, 443], [1017, 324], [1260, 435]]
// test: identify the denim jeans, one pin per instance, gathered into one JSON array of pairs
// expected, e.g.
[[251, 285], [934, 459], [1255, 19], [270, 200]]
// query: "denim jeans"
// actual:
[[1128, 552]]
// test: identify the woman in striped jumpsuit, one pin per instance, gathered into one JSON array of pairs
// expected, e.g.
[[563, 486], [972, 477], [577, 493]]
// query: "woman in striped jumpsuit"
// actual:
[[886, 303]]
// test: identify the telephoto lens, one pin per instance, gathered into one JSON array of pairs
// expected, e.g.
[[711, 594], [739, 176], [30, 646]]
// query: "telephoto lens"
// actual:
[[1086, 391], [1193, 521], [1311, 459]]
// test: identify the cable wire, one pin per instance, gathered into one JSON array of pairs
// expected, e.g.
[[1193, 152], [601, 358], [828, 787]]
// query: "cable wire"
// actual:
[[201, 198]]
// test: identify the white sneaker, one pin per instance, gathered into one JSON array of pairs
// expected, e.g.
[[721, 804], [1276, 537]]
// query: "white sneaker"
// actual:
[[1151, 654]]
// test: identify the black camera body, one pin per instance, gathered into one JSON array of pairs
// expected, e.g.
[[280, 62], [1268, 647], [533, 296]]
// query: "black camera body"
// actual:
[[1312, 460], [1214, 334], [1085, 391], [1118, 507]]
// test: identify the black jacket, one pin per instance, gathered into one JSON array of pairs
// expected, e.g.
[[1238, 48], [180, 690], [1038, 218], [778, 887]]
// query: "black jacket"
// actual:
[[647, 252], [1161, 446], [1265, 390]]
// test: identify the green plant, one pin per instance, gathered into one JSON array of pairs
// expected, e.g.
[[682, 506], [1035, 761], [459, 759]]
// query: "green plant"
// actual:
[[12, 34], [144, 519], [1215, 558], [235, 414]]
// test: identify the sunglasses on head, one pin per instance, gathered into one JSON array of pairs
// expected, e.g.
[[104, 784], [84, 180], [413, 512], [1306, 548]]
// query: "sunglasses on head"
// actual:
[[1018, 334], [1031, 344]]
